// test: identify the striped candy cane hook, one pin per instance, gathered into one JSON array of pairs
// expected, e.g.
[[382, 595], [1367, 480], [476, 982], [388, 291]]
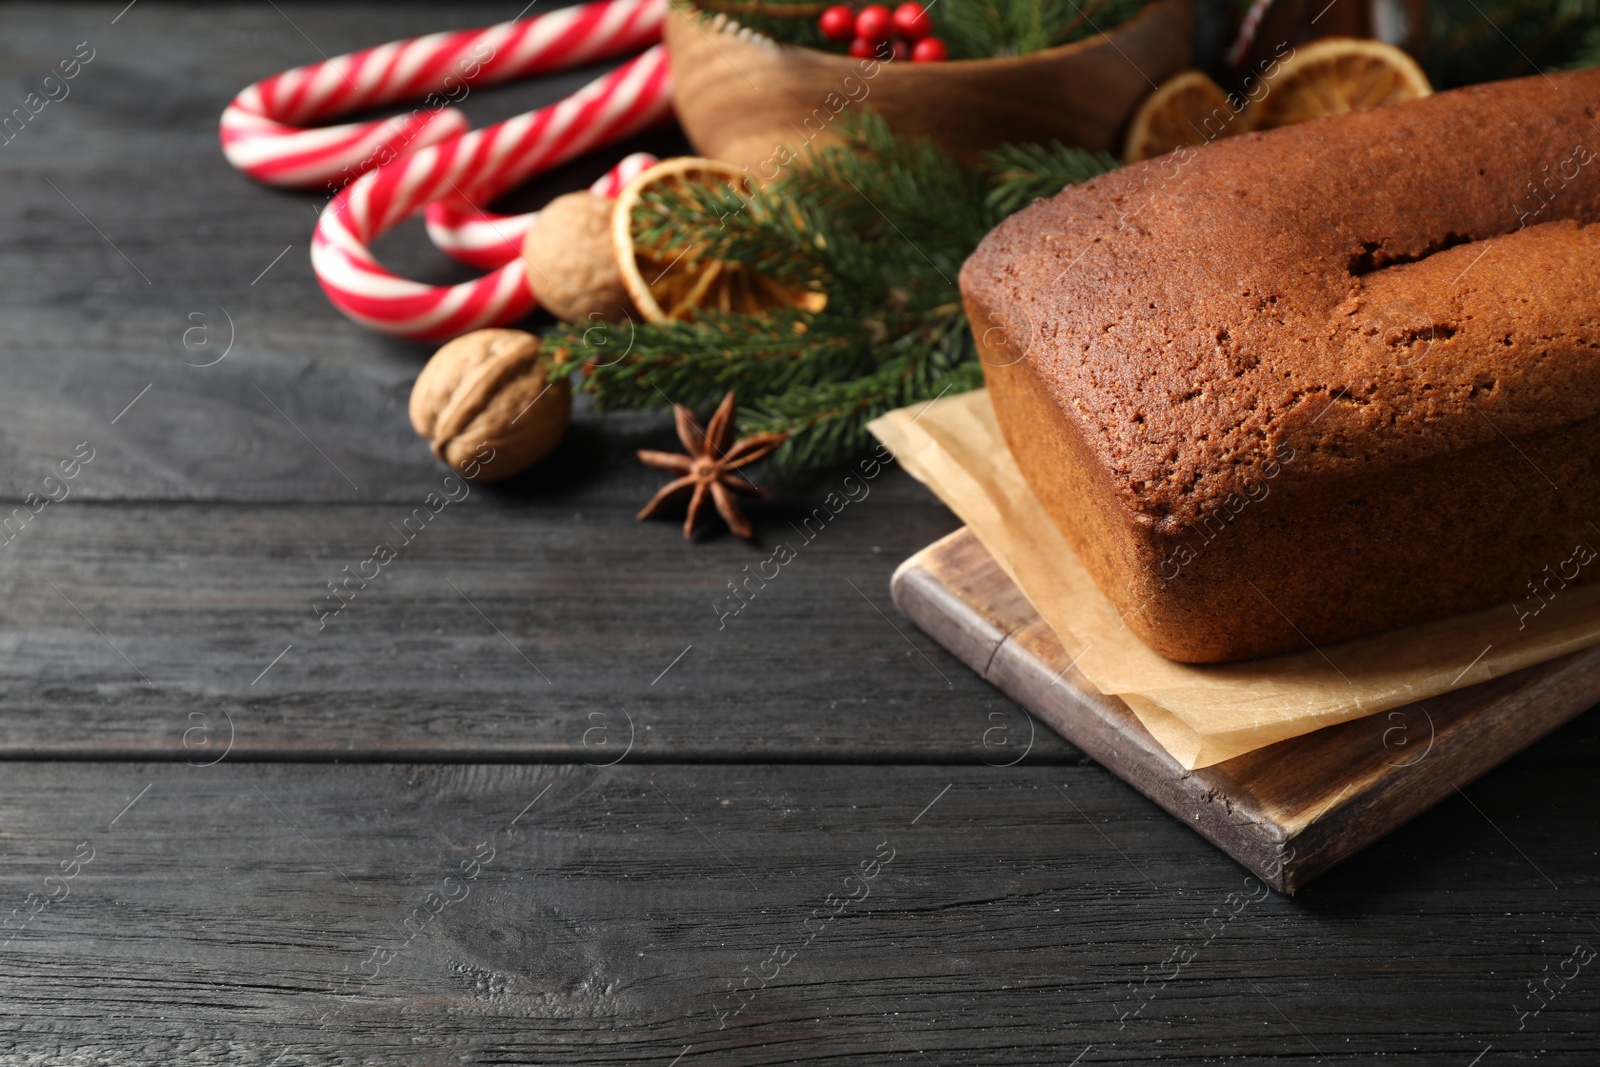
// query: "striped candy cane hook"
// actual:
[[485, 240], [428, 159], [473, 169]]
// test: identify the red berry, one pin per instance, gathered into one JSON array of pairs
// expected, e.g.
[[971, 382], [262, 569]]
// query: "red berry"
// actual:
[[912, 20], [899, 50], [838, 23], [862, 48], [929, 50], [874, 23]]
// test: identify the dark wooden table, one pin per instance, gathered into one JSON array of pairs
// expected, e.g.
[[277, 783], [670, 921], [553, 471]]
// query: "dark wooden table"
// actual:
[[525, 800]]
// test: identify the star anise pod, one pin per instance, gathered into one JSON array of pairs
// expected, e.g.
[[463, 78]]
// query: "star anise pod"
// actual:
[[711, 467]]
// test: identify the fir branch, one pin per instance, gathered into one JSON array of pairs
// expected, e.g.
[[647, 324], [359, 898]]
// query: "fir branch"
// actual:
[[864, 217], [1023, 173], [791, 21], [892, 188], [881, 225], [1483, 40], [635, 366], [1585, 49], [978, 29], [715, 221], [1091, 19], [975, 30], [827, 422]]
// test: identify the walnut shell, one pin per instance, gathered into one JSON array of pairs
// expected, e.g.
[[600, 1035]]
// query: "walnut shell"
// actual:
[[486, 406], [571, 266]]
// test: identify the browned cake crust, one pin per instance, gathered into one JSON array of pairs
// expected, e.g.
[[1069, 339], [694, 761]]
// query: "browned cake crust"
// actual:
[[1325, 381]]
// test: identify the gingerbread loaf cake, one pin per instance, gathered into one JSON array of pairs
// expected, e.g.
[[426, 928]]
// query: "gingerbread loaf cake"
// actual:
[[1325, 381]]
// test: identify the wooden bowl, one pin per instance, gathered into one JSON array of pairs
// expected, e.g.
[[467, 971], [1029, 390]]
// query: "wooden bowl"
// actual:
[[749, 101]]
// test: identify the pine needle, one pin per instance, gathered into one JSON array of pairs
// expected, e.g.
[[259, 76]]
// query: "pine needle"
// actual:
[[1023, 173]]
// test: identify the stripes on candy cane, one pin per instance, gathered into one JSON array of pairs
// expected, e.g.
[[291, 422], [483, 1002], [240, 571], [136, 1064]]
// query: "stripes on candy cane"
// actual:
[[475, 167], [483, 239], [263, 132], [1247, 32]]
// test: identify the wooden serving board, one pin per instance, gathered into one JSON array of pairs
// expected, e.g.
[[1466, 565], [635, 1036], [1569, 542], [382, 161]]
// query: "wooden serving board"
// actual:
[[1287, 812]]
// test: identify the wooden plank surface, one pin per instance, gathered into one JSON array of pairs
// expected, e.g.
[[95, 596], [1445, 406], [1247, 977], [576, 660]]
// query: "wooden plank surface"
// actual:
[[1289, 811], [1018, 921], [215, 922], [498, 632]]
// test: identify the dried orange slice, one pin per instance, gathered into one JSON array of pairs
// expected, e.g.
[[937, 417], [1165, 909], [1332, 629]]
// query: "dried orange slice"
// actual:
[[669, 281], [1187, 109], [1333, 76]]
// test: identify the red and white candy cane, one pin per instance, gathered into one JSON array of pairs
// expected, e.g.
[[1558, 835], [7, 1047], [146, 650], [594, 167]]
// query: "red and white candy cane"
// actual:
[[473, 168], [1247, 32], [485, 240], [427, 158], [263, 129]]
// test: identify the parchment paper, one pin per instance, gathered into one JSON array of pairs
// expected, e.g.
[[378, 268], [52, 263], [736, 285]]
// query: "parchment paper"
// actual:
[[1207, 714]]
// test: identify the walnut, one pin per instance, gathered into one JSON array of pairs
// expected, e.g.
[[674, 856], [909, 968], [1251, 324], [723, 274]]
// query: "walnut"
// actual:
[[572, 267], [486, 405]]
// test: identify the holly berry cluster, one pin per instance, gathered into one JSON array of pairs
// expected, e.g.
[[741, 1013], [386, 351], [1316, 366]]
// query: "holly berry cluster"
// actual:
[[907, 32]]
